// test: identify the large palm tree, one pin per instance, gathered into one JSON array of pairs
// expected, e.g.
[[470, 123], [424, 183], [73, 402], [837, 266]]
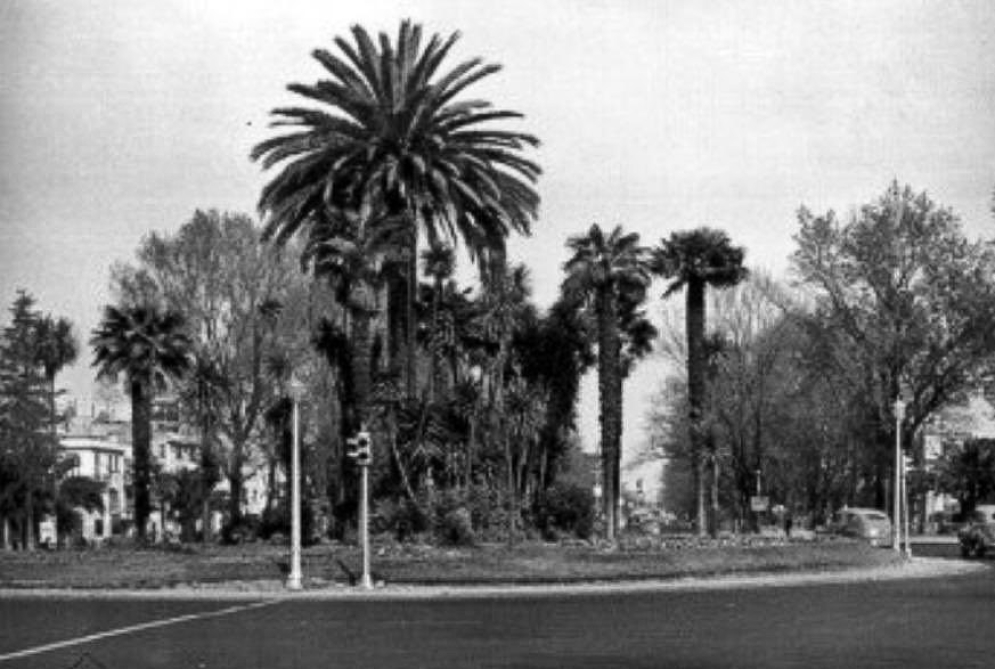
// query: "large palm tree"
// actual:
[[390, 134], [57, 349], [608, 272], [694, 260], [147, 346]]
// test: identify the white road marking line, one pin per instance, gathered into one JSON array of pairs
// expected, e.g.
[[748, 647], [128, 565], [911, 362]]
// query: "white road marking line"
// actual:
[[37, 650]]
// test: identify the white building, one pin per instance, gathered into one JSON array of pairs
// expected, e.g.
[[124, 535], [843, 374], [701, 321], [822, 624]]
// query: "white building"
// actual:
[[100, 448]]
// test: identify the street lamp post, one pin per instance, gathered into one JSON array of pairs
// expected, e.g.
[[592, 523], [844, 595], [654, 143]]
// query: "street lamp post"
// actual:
[[897, 514], [294, 578]]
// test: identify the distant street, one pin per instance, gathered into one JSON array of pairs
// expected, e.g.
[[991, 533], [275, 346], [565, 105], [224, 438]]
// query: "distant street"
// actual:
[[909, 623]]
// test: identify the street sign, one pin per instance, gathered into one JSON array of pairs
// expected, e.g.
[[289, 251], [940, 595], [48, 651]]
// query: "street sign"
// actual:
[[759, 503]]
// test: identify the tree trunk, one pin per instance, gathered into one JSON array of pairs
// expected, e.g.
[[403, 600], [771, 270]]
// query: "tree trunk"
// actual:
[[362, 309], [695, 326], [715, 495], [609, 347], [141, 440], [206, 460], [236, 485], [29, 518], [409, 335], [512, 494], [471, 441]]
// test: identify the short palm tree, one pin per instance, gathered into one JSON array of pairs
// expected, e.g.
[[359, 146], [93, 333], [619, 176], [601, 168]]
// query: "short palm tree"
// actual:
[[438, 263], [390, 134], [609, 273], [694, 260], [148, 346], [57, 349]]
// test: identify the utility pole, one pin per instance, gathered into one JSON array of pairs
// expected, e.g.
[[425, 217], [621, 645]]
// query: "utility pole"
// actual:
[[897, 513]]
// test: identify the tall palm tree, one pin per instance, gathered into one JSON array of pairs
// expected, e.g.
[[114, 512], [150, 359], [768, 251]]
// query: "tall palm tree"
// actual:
[[391, 134], [610, 274], [693, 260], [148, 346], [57, 349]]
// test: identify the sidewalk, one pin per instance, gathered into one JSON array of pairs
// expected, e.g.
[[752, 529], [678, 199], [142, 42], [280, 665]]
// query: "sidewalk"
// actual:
[[318, 590], [934, 540]]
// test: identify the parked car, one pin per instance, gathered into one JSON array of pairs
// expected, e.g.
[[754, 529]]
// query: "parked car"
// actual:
[[872, 525], [978, 533]]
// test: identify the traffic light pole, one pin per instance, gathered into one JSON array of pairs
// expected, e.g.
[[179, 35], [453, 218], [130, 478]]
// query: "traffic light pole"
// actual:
[[366, 581], [363, 454]]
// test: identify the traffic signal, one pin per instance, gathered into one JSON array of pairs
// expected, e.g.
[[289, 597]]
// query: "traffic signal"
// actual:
[[361, 448]]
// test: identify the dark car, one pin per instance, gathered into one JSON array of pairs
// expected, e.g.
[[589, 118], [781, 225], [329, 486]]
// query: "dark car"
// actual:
[[977, 535]]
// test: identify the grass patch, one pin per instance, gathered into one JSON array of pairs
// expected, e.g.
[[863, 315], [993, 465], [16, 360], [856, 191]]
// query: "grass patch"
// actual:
[[120, 567]]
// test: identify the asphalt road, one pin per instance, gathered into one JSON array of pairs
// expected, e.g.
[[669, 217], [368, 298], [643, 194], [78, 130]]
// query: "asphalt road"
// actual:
[[940, 622]]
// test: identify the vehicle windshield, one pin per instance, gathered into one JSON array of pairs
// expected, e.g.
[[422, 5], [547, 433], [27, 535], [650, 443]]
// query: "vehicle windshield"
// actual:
[[875, 516]]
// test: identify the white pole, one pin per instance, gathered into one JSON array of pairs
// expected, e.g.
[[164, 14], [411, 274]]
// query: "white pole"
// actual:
[[897, 510], [905, 508], [294, 578]]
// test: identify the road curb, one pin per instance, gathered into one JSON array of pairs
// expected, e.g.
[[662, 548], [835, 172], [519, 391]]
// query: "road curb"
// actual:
[[274, 590]]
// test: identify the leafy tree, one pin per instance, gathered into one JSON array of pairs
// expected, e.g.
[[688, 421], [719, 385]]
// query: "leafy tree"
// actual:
[[392, 137], [75, 493], [235, 294], [555, 351], [609, 273], [693, 261], [912, 302], [28, 449], [148, 346], [505, 308], [967, 471]]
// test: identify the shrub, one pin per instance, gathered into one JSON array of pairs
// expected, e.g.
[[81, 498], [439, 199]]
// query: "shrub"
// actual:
[[565, 508], [455, 528], [401, 517]]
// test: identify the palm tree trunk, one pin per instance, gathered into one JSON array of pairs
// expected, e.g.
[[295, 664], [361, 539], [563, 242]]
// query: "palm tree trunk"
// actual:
[[610, 405], [695, 320], [141, 440], [360, 354], [512, 496], [409, 335], [471, 440]]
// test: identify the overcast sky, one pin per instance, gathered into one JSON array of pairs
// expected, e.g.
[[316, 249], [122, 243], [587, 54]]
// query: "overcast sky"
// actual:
[[117, 118]]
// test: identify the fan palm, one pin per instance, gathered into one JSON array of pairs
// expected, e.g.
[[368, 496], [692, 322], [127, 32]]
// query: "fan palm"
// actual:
[[391, 135], [694, 260], [148, 346], [610, 273], [57, 349]]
